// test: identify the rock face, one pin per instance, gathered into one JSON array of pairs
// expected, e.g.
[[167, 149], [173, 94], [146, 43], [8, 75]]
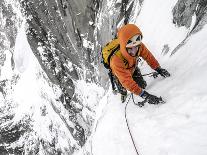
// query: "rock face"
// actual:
[[9, 133], [66, 38], [8, 30], [56, 32], [185, 10], [189, 13]]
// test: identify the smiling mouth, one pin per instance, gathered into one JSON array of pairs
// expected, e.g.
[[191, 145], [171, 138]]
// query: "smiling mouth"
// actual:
[[133, 50]]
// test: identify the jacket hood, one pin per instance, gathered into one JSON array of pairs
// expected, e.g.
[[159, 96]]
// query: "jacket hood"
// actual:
[[124, 34]]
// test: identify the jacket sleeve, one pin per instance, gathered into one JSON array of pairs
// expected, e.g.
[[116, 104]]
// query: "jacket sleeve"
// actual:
[[148, 57], [124, 76]]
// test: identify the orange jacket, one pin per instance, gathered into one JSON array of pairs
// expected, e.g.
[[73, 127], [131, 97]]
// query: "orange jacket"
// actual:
[[124, 73]]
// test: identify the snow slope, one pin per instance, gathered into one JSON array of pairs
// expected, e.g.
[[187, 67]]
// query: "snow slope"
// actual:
[[177, 127]]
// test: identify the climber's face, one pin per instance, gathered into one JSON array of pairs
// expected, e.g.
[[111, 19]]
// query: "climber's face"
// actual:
[[133, 45], [133, 50]]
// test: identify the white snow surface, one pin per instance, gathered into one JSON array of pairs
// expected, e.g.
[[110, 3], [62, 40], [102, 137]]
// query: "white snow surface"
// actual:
[[22, 52], [177, 127]]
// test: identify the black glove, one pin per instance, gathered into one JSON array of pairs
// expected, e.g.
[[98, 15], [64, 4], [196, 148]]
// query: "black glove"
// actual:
[[162, 72], [151, 99]]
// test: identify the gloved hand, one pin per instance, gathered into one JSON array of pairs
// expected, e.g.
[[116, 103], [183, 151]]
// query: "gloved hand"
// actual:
[[162, 72], [151, 99]]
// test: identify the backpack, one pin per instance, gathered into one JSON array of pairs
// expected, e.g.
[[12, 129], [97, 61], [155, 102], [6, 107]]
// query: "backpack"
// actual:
[[108, 51]]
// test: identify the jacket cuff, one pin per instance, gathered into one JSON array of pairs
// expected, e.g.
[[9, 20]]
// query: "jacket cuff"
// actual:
[[142, 92], [157, 68]]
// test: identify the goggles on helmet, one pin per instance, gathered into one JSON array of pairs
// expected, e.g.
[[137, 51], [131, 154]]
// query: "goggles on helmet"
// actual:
[[134, 41]]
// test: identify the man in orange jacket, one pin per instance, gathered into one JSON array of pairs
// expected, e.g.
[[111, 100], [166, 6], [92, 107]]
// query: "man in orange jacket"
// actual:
[[127, 72]]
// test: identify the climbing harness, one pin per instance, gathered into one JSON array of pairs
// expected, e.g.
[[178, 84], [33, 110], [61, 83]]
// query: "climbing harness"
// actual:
[[128, 125]]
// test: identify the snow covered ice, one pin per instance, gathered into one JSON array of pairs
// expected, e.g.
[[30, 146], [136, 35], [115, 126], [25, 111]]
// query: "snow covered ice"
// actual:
[[177, 127]]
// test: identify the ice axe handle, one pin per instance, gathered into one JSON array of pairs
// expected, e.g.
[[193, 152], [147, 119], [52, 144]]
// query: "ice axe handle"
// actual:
[[161, 100], [141, 104], [155, 75], [152, 74]]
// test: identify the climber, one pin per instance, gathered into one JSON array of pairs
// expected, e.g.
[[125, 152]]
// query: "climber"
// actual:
[[124, 64]]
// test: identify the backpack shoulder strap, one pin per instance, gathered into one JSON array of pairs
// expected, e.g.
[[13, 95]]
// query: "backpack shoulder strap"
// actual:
[[112, 53], [118, 53]]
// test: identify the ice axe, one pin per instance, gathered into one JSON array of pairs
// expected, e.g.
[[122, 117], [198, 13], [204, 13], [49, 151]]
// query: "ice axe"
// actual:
[[141, 104], [152, 74]]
